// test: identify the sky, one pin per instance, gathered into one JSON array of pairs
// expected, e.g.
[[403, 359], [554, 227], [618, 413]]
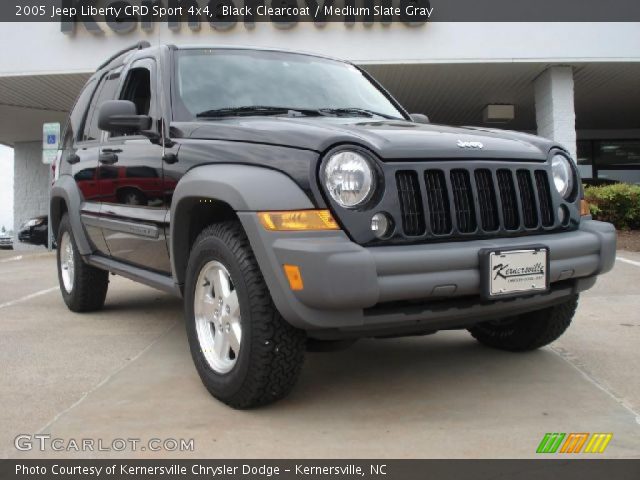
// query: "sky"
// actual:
[[6, 187]]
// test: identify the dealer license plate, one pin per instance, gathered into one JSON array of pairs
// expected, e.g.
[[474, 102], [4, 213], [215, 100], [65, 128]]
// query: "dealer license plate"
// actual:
[[513, 272]]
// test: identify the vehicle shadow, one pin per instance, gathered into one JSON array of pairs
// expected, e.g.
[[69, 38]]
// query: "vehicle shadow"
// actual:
[[443, 370]]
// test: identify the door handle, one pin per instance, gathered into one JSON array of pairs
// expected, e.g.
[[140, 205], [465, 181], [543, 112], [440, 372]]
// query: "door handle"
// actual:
[[108, 158], [111, 150]]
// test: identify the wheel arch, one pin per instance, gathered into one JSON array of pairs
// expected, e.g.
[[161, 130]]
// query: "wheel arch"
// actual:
[[215, 193], [65, 198]]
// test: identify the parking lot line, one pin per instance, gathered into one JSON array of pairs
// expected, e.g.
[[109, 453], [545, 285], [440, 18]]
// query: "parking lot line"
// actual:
[[630, 262], [11, 259], [28, 297]]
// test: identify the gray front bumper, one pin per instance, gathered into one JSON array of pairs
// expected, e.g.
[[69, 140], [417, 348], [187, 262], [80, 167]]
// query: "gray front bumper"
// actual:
[[349, 287]]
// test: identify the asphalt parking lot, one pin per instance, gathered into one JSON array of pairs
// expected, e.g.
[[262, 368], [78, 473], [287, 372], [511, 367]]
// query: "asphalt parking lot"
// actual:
[[126, 372]]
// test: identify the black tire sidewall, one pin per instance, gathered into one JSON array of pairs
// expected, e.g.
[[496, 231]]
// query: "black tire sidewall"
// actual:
[[228, 384]]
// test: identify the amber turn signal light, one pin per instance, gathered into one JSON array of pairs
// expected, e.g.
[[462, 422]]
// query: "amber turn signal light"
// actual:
[[294, 276], [298, 220], [584, 208]]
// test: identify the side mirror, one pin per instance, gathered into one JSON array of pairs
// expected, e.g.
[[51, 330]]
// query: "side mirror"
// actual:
[[119, 116], [419, 118]]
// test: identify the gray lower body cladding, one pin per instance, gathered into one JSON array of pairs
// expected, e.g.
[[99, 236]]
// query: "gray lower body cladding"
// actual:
[[352, 291]]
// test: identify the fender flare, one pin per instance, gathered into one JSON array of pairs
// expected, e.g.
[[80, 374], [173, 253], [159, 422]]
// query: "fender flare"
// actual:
[[66, 189], [244, 188]]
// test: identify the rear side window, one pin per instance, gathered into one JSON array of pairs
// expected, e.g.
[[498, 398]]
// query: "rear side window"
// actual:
[[76, 120], [141, 172], [106, 91], [108, 173], [85, 174]]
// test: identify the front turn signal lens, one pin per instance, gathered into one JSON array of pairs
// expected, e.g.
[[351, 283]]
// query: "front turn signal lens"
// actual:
[[298, 220], [294, 277], [584, 208]]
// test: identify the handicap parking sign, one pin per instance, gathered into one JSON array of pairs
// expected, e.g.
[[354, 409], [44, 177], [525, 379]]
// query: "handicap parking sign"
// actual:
[[50, 140]]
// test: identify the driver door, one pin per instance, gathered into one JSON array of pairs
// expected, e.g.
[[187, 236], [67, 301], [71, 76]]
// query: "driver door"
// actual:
[[133, 208]]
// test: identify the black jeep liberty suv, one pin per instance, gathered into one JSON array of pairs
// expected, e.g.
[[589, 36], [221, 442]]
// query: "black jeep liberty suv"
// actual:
[[294, 204]]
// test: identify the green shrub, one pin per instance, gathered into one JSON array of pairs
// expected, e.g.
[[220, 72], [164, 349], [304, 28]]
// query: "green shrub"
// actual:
[[618, 203]]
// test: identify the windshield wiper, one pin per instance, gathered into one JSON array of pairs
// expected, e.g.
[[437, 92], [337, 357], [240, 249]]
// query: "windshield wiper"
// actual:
[[359, 112], [255, 110]]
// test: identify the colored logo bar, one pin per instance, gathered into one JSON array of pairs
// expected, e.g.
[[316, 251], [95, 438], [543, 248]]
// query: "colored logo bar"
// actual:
[[574, 443]]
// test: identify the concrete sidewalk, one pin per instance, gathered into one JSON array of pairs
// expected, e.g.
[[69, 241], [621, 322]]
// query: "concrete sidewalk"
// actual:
[[126, 372]]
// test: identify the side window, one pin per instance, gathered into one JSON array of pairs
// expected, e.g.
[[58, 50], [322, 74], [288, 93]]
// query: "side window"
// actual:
[[85, 174], [108, 173], [141, 172], [77, 117], [137, 89], [106, 91]]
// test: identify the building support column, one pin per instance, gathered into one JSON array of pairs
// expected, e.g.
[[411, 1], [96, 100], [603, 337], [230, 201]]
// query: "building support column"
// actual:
[[555, 112], [30, 187]]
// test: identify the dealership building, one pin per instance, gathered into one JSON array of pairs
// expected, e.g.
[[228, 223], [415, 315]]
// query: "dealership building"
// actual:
[[576, 83]]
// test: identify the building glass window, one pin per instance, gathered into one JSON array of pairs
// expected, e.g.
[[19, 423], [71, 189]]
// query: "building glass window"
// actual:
[[605, 161], [618, 160], [585, 158]]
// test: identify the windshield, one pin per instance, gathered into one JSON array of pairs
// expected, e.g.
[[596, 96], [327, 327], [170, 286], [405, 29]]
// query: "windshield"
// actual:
[[213, 80]]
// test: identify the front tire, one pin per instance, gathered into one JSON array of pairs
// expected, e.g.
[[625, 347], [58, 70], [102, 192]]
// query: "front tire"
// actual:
[[529, 331], [246, 354], [83, 287]]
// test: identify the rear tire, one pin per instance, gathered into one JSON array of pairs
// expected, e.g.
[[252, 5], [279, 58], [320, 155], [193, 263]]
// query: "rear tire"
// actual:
[[83, 287], [528, 331], [246, 354]]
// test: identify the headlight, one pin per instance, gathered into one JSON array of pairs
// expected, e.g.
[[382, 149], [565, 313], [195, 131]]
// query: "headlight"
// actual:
[[562, 175], [349, 178]]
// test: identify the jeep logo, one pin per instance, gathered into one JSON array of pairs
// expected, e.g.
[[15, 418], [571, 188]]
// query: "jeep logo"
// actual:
[[477, 145]]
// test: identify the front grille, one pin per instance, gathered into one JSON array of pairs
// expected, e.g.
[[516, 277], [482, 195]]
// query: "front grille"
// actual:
[[527, 199], [474, 202], [410, 203], [438, 202], [463, 201], [508, 199], [487, 200], [544, 194]]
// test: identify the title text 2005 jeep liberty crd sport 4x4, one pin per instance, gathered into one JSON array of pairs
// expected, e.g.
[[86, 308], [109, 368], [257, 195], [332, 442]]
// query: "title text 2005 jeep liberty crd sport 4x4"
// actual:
[[291, 201]]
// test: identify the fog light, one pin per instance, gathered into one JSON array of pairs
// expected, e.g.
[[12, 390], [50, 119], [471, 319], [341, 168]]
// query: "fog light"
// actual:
[[563, 215], [381, 225]]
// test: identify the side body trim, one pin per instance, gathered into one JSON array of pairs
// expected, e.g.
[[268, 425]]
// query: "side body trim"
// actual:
[[140, 229], [141, 275]]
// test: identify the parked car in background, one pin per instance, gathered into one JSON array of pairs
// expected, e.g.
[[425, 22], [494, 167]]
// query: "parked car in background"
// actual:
[[34, 231], [6, 241]]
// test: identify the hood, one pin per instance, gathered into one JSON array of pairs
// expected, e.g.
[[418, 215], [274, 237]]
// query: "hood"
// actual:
[[389, 139]]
